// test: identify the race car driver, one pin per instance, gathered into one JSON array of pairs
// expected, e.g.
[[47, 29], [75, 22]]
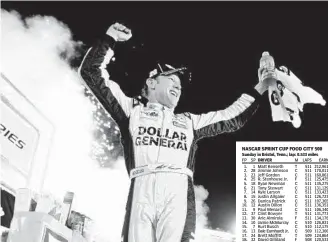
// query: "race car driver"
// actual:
[[159, 145]]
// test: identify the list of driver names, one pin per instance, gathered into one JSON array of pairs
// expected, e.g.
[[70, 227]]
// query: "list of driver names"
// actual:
[[282, 191]]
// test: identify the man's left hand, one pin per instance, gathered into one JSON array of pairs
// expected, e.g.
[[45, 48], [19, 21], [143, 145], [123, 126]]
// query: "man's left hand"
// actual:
[[265, 80]]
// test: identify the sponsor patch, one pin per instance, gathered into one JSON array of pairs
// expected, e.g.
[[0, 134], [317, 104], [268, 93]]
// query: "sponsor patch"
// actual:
[[180, 121], [151, 114], [179, 125], [137, 172], [180, 118]]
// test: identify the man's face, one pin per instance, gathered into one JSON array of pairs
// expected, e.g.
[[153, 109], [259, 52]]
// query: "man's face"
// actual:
[[168, 90]]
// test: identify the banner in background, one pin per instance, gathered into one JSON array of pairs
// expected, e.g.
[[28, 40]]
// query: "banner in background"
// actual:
[[18, 138]]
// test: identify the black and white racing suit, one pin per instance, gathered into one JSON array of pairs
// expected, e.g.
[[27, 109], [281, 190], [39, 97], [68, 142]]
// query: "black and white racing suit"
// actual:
[[159, 149]]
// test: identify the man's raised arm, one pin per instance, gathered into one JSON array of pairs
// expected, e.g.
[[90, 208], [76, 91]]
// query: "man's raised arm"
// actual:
[[94, 73], [230, 119]]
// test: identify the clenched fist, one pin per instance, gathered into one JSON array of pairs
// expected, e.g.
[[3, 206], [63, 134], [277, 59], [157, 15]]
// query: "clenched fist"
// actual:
[[119, 32]]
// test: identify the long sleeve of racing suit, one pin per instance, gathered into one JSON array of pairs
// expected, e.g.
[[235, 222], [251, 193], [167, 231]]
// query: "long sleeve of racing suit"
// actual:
[[214, 123], [93, 71], [227, 120], [115, 102]]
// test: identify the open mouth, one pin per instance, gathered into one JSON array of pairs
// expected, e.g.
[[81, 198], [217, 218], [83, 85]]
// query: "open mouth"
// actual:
[[173, 93]]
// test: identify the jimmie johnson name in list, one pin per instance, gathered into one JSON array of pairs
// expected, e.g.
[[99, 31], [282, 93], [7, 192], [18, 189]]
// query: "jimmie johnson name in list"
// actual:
[[282, 191]]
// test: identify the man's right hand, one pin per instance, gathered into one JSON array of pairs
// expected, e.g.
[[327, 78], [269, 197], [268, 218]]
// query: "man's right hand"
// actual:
[[119, 32]]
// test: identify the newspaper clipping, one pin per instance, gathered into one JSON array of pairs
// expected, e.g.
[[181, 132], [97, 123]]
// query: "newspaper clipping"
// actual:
[[128, 121]]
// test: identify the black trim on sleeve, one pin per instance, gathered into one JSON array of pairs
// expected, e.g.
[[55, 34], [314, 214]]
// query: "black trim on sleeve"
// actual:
[[110, 41], [252, 92]]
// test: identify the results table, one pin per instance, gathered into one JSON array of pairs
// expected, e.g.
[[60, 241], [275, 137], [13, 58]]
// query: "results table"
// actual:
[[282, 191]]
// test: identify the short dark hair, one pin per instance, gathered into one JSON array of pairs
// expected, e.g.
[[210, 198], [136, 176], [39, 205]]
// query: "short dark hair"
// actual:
[[145, 89]]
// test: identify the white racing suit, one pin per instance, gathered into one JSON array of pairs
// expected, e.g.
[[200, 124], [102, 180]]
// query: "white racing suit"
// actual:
[[159, 149]]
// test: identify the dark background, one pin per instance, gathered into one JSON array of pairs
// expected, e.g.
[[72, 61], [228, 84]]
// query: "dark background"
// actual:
[[221, 43]]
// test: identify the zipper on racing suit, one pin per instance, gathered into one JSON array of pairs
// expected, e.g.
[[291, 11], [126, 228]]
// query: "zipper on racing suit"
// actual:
[[162, 132], [158, 157]]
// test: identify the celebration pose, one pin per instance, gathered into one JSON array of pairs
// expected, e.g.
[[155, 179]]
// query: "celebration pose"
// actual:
[[159, 144]]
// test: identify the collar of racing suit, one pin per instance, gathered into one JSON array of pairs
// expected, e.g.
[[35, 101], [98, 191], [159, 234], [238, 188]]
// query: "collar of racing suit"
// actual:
[[158, 106]]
